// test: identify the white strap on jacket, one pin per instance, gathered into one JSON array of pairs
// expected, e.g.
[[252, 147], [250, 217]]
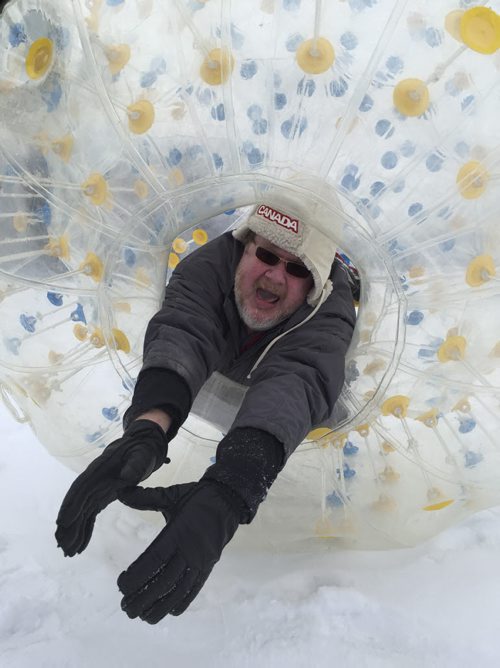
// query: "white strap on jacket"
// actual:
[[327, 289]]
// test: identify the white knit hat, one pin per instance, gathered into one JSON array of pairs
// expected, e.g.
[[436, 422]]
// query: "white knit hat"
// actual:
[[285, 223]]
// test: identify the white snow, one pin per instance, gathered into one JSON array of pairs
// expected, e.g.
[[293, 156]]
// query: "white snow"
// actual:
[[434, 605]]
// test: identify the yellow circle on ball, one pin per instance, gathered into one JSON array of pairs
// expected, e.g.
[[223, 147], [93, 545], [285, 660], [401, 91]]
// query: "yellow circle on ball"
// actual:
[[93, 267], [141, 189], [120, 340], [141, 116], [319, 432], [472, 179], [97, 338], [40, 57], [396, 405], [480, 270], [411, 97], [217, 67], [453, 349], [142, 277], [480, 29], [20, 222], [118, 56], [58, 247], [200, 237], [416, 271], [179, 245], [96, 188], [429, 418], [452, 23], [63, 147], [315, 56], [173, 260], [80, 332], [175, 177], [439, 506]]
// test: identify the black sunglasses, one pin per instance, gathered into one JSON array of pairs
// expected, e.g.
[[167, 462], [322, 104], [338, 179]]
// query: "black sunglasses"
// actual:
[[292, 268]]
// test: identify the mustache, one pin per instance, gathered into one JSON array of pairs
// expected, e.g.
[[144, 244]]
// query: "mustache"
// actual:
[[269, 286]]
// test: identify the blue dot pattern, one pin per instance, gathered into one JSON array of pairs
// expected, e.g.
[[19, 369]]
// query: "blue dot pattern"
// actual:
[[213, 148]]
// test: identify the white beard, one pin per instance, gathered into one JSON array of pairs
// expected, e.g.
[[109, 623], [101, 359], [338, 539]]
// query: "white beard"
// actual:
[[256, 324], [252, 323]]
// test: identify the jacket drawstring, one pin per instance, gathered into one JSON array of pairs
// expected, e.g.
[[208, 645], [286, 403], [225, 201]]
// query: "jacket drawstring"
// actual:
[[324, 296]]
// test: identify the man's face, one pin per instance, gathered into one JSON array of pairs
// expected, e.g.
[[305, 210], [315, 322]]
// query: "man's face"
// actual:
[[266, 295]]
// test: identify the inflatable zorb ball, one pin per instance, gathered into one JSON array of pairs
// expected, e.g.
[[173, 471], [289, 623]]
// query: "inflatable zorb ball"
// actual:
[[132, 131]]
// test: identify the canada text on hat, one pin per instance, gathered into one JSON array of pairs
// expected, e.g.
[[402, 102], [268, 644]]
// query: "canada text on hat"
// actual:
[[275, 216]]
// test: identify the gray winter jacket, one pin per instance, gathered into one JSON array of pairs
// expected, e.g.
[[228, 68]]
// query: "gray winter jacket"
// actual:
[[198, 331]]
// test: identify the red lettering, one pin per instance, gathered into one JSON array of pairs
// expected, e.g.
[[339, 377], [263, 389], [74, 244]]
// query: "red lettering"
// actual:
[[275, 216]]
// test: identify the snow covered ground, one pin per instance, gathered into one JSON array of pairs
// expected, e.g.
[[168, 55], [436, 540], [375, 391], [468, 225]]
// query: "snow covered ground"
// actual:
[[435, 605]]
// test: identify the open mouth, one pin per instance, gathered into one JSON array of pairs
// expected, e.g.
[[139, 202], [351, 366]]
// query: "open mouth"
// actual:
[[267, 296]]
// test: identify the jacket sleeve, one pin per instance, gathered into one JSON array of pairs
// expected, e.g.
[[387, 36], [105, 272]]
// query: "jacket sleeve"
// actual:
[[185, 339], [296, 385]]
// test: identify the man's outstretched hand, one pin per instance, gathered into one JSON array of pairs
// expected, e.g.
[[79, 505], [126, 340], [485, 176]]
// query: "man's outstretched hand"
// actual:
[[201, 519], [127, 461]]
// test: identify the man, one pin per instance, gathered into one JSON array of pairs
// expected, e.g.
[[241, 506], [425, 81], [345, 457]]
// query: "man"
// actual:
[[266, 306]]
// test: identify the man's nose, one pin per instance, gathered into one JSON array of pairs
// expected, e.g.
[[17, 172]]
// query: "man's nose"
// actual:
[[277, 273]]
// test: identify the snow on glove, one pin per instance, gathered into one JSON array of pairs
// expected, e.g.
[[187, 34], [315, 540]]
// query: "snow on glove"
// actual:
[[202, 518], [127, 461]]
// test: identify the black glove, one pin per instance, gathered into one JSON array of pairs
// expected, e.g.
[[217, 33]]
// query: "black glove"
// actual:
[[201, 519], [171, 571], [127, 461]]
